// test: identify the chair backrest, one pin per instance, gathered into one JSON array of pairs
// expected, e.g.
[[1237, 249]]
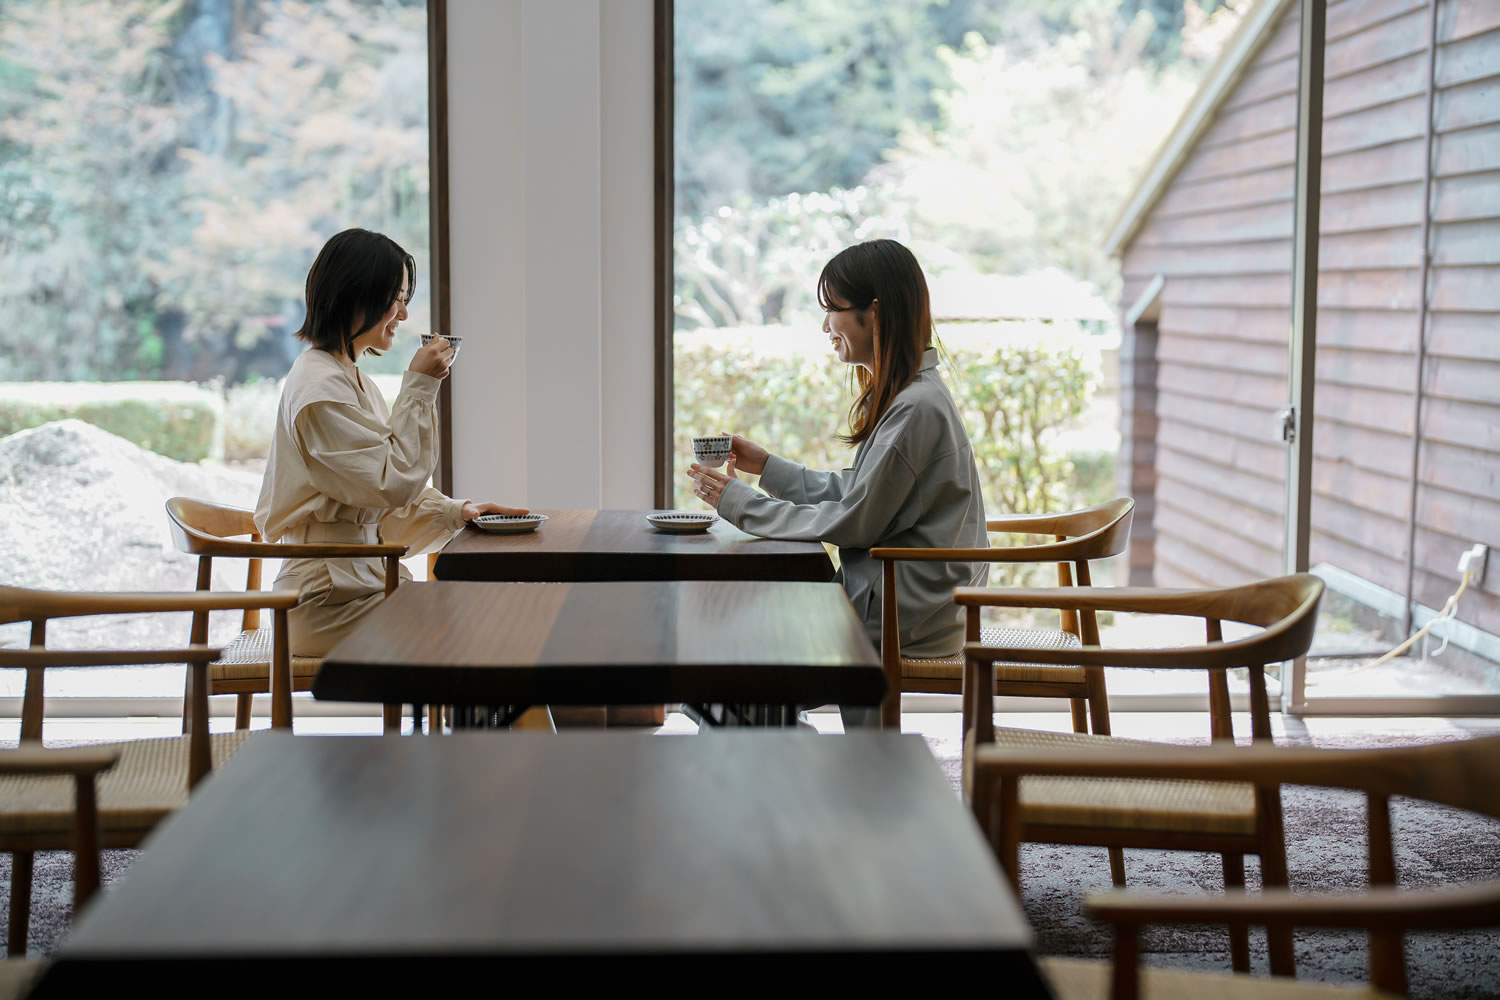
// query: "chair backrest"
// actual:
[[1285, 608], [1464, 774], [1097, 532], [203, 528], [199, 525]]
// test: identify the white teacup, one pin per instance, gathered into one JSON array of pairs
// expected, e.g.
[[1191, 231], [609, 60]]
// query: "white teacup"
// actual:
[[713, 451], [457, 343]]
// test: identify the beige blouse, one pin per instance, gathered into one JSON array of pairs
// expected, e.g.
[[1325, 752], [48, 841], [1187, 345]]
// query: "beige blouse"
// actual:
[[344, 467]]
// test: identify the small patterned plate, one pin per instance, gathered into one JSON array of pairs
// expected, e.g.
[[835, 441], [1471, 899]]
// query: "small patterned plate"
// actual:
[[683, 522], [508, 524]]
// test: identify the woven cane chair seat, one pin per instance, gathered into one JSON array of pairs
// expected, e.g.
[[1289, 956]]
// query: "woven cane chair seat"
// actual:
[[149, 783], [952, 667], [1128, 803], [248, 657], [1085, 979]]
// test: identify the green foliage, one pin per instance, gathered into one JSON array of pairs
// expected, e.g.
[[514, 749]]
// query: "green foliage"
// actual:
[[169, 168], [1015, 397], [774, 97], [1032, 157], [172, 419], [751, 264]]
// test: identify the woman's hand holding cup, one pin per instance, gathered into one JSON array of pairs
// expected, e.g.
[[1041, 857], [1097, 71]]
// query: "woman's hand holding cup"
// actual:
[[748, 456], [434, 359]]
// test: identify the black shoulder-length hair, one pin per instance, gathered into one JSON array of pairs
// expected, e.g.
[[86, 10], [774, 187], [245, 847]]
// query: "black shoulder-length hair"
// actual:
[[881, 271], [351, 286]]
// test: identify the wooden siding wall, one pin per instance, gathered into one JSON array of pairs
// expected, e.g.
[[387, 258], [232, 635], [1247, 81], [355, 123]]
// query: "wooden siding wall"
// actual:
[[1221, 235]]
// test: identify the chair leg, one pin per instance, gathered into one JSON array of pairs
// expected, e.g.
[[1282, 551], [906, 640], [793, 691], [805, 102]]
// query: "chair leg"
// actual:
[[242, 705], [1273, 875], [1117, 866], [187, 702], [434, 719], [1239, 934], [1080, 715], [20, 903], [391, 718], [1283, 959], [1099, 710]]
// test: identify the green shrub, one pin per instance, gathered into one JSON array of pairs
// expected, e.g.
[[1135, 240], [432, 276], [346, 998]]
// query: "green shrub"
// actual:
[[176, 419]]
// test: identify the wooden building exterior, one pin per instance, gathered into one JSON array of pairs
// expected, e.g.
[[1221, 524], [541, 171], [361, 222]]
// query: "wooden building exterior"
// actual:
[[1206, 250]]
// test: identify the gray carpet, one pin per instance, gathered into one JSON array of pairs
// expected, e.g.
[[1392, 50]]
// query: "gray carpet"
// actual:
[[1326, 850]]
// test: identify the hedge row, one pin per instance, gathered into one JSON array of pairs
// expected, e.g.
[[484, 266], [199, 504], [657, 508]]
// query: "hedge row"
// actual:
[[176, 419]]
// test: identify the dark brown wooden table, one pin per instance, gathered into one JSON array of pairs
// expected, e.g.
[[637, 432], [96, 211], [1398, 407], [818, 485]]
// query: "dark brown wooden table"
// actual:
[[576, 546], [455, 863], [733, 643]]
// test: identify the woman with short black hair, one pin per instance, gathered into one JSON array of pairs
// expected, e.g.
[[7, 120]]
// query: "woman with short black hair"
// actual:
[[344, 467]]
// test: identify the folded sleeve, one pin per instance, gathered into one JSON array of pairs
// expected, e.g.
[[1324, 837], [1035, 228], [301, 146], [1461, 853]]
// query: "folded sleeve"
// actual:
[[860, 518], [787, 480], [424, 525], [354, 458]]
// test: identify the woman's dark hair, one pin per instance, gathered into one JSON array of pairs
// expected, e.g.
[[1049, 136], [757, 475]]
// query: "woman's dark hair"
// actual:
[[352, 284], [887, 272]]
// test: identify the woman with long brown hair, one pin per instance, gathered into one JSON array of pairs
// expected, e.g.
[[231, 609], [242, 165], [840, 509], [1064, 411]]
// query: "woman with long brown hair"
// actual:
[[913, 483]]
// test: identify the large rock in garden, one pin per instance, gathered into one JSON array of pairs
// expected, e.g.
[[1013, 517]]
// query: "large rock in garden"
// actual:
[[82, 509]]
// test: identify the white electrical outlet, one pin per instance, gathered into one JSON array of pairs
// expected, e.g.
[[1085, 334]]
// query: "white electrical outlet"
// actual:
[[1474, 561]]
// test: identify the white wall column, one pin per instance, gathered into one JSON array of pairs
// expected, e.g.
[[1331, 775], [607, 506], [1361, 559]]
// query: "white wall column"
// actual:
[[550, 167]]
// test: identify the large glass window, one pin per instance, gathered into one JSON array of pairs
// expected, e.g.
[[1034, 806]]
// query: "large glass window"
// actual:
[[999, 140], [168, 171], [1405, 461]]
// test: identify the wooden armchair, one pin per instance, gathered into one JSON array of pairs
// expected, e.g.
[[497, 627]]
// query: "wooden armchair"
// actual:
[[1229, 818], [1463, 774], [82, 765], [1081, 535], [207, 530], [153, 777]]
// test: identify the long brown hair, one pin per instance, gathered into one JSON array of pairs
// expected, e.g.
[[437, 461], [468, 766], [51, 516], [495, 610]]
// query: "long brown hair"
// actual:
[[886, 271]]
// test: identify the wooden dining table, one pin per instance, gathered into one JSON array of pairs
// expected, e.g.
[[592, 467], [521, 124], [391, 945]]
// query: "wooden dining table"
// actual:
[[577, 546], [737, 651], [385, 864]]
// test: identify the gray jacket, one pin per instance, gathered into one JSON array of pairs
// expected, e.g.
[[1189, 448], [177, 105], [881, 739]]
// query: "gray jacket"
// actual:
[[913, 485]]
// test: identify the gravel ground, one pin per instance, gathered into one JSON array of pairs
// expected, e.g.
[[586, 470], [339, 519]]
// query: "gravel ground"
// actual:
[[82, 509]]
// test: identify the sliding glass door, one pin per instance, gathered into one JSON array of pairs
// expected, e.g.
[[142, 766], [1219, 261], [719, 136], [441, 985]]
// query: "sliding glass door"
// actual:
[[1404, 456]]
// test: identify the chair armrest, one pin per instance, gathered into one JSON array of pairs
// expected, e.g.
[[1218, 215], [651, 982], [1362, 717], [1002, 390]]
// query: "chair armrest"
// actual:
[[1048, 552], [1220, 762], [1367, 771], [37, 657], [1380, 908], [1218, 656], [1148, 600], [311, 550], [80, 761], [49, 604]]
